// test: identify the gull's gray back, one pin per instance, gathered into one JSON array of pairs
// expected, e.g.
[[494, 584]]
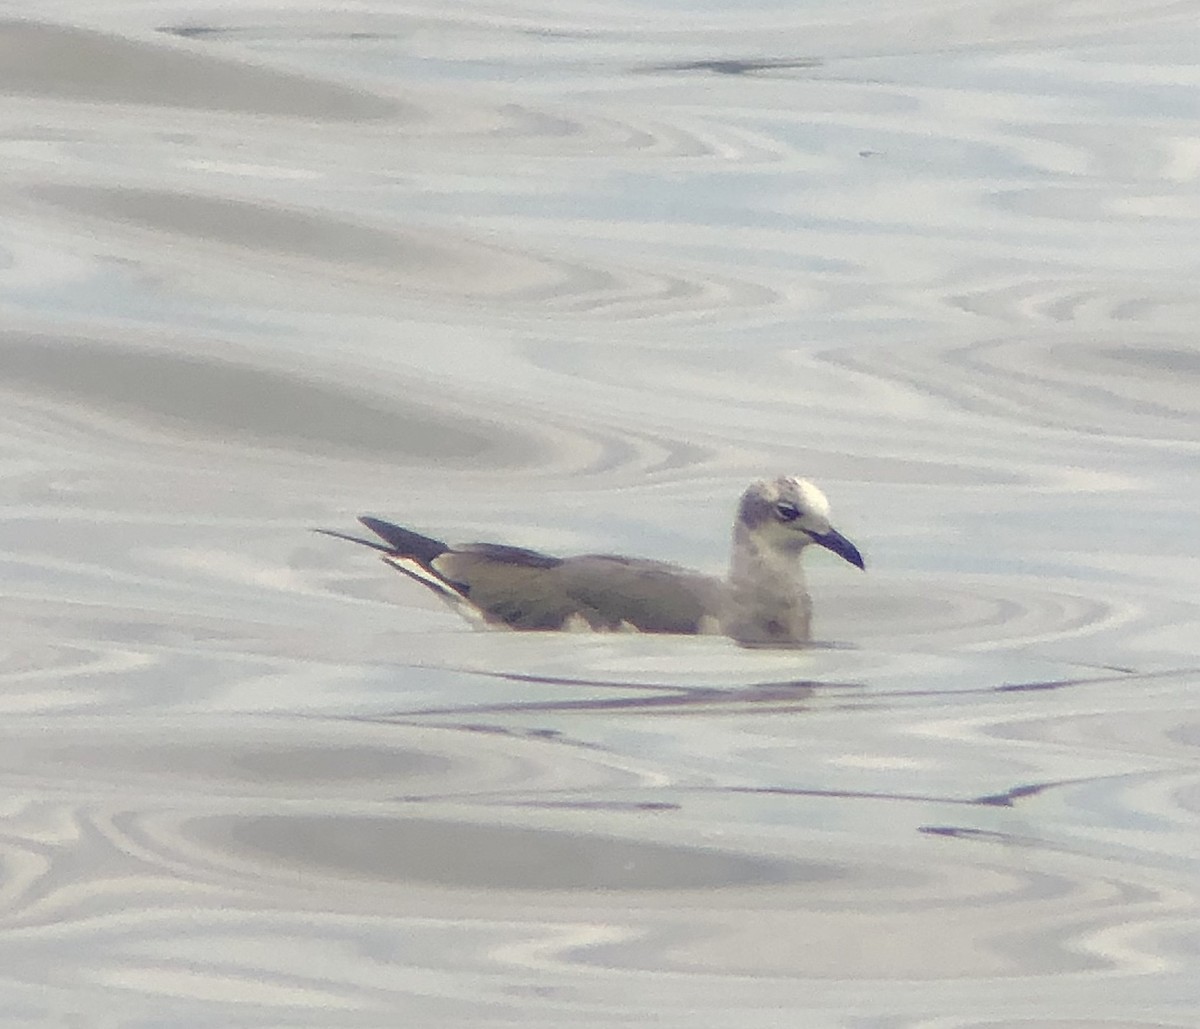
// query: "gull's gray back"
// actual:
[[528, 590]]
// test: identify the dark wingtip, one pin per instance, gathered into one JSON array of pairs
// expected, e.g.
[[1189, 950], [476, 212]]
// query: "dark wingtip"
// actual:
[[404, 542], [378, 525]]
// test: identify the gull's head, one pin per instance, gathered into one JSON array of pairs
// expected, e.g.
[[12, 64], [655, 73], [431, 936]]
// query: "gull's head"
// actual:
[[787, 514]]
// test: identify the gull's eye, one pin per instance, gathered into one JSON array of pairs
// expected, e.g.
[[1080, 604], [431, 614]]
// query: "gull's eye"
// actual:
[[787, 512]]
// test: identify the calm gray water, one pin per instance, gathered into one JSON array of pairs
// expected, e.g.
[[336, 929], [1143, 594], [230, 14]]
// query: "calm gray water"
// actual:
[[569, 275]]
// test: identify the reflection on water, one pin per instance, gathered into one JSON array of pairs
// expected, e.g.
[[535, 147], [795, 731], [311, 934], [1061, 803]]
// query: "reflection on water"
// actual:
[[464, 856], [62, 62], [567, 278], [208, 397]]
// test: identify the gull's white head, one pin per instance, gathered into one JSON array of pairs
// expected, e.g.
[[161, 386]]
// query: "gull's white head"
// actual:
[[787, 514]]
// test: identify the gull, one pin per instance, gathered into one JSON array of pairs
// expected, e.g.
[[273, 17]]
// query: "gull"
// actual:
[[762, 602]]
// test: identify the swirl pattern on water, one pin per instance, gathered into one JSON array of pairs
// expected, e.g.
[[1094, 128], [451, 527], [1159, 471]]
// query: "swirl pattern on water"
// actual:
[[242, 876], [1147, 387], [567, 278], [260, 244], [213, 398]]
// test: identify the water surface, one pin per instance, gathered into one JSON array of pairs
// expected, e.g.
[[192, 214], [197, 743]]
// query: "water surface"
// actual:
[[568, 277]]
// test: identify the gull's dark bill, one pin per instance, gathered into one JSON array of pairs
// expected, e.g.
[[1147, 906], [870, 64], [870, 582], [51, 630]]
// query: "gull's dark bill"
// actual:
[[835, 541]]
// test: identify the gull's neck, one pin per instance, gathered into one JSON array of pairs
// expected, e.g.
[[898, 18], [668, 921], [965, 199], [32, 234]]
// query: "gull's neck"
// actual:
[[766, 601]]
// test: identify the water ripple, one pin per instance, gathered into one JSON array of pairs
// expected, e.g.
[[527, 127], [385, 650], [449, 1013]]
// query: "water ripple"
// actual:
[[1145, 387]]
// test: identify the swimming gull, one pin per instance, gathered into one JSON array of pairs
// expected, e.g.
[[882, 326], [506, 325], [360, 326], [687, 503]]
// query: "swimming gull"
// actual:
[[762, 602]]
